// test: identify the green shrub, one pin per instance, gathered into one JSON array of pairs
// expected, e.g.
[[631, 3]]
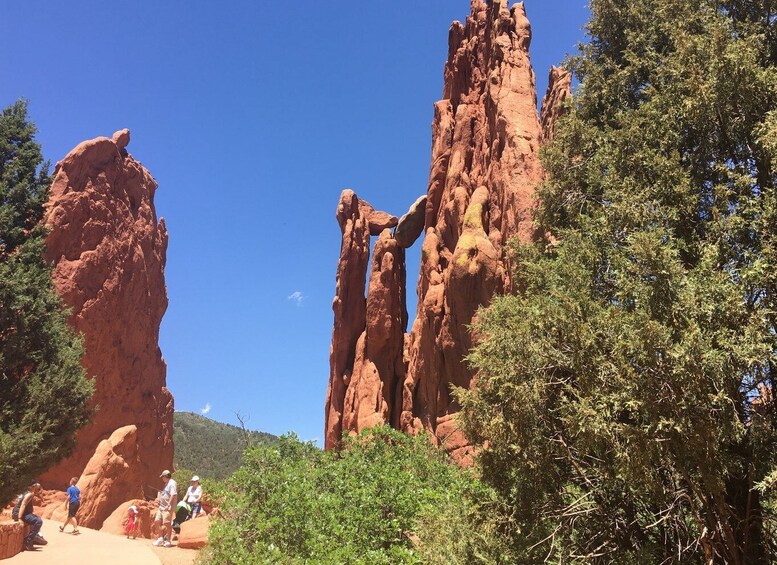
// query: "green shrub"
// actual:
[[293, 503]]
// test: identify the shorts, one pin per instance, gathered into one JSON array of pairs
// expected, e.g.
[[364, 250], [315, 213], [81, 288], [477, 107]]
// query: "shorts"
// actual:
[[72, 509], [162, 516]]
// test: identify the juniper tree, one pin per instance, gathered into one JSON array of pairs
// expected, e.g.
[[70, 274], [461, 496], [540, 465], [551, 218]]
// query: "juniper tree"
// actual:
[[43, 390], [625, 394]]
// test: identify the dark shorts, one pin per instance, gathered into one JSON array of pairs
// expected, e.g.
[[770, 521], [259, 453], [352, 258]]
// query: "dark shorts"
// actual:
[[72, 509]]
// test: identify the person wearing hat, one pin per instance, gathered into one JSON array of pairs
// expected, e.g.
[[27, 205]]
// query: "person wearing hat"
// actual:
[[164, 515], [193, 496]]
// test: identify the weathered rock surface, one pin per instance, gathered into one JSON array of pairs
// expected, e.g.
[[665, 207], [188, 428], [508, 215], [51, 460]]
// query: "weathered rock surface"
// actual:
[[559, 90], [114, 524], [108, 250], [378, 370], [113, 471], [486, 135]]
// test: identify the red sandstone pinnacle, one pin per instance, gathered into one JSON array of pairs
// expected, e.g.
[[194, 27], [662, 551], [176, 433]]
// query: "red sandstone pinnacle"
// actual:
[[349, 308], [559, 90], [366, 364], [108, 251], [372, 396], [485, 169]]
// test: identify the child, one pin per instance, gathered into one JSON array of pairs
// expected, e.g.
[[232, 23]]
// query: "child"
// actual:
[[73, 503], [131, 523]]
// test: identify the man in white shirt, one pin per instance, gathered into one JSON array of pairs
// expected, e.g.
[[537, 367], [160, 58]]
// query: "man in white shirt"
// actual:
[[166, 499]]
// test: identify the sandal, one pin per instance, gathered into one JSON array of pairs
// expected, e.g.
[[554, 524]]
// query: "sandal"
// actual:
[[62, 528]]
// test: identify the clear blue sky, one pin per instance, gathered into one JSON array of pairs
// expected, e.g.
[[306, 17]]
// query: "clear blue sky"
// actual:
[[253, 116]]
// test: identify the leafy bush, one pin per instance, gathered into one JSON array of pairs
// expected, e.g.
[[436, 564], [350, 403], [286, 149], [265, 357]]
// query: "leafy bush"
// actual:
[[293, 503]]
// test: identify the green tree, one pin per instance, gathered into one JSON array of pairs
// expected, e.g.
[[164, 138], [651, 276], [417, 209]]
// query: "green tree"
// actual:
[[625, 395], [43, 391]]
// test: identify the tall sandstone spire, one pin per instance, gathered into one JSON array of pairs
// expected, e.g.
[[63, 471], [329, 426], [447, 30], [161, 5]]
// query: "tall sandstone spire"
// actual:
[[108, 251], [486, 135]]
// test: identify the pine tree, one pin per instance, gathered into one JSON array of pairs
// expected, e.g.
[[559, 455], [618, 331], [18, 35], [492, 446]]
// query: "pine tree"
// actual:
[[43, 389], [624, 397]]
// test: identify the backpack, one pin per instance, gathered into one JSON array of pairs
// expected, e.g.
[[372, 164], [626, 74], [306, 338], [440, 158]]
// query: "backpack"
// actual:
[[16, 507]]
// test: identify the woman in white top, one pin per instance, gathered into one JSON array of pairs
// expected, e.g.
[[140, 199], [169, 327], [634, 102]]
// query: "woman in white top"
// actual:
[[193, 496]]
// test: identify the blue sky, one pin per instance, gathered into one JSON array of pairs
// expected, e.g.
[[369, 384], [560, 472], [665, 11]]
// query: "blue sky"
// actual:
[[253, 116]]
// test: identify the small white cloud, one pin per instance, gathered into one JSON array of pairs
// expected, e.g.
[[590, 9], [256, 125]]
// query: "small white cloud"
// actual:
[[206, 409], [296, 297]]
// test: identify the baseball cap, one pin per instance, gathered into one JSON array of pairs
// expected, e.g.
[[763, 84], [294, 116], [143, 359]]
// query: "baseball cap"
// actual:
[[165, 473], [195, 478]]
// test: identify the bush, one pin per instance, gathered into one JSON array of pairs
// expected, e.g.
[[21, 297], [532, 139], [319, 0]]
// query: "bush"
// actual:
[[293, 503]]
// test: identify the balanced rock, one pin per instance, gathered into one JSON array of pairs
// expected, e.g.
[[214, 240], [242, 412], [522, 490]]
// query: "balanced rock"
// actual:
[[411, 225], [108, 250], [121, 138]]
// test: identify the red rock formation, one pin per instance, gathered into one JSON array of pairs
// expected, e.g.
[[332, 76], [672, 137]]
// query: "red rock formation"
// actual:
[[359, 355], [486, 135], [194, 533], [113, 471], [108, 251], [378, 370], [559, 90]]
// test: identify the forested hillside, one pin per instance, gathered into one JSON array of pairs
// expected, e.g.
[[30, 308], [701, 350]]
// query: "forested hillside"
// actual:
[[211, 449]]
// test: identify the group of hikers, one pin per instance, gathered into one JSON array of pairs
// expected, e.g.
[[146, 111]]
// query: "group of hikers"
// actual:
[[167, 519]]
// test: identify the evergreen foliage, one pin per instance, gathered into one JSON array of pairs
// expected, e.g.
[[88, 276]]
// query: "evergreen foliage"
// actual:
[[625, 395], [209, 448], [293, 503], [43, 390]]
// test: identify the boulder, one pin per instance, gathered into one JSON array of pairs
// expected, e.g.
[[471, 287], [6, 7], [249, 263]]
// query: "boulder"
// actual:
[[113, 470], [194, 533], [121, 138], [411, 225]]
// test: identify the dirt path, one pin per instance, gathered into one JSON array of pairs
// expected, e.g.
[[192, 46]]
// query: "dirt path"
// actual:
[[97, 548]]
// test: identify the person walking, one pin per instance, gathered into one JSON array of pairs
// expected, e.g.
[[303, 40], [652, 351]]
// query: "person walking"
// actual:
[[131, 522], [166, 499], [27, 513], [73, 503]]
